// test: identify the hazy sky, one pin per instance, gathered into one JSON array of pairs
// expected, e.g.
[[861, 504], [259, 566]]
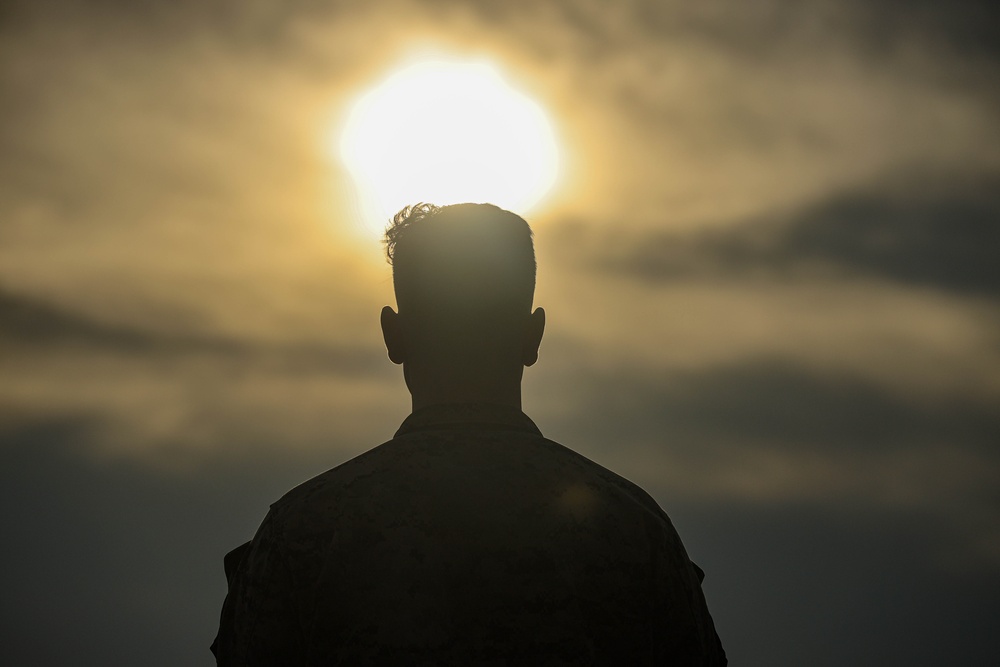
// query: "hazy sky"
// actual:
[[769, 269]]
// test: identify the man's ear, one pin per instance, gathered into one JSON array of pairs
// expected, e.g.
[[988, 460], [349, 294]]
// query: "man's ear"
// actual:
[[533, 337], [392, 334]]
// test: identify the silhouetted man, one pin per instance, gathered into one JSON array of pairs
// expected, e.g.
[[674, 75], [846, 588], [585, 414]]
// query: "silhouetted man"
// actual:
[[467, 539]]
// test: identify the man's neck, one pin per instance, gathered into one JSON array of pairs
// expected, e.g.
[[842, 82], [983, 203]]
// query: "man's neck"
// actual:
[[424, 397]]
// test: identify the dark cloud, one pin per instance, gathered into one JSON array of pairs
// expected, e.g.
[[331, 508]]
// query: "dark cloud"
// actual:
[[253, 19], [966, 26], [944, 242], [772, 433], [781, 405], [34, 323], [876, 30], [962, 26], [31, 321]]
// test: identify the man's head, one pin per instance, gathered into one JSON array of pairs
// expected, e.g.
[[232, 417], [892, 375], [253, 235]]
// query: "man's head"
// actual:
[[464, 277]]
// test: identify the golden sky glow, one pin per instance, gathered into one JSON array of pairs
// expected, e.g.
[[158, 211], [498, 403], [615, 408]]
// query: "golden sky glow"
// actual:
[[445, 132]]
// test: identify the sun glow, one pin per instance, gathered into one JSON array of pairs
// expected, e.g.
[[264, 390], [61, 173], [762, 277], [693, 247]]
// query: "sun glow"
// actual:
[[447, 132]]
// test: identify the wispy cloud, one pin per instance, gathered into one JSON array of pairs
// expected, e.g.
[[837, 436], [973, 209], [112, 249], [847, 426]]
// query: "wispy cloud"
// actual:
[[939, 240]]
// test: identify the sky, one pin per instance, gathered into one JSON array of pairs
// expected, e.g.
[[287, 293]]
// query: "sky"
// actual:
[[769, 269]]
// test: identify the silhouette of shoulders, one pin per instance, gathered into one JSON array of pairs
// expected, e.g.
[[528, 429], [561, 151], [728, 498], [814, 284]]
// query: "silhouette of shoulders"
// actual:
[[467, 538]]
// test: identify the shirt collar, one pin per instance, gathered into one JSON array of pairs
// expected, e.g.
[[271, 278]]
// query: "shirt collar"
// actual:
[[462, 415]]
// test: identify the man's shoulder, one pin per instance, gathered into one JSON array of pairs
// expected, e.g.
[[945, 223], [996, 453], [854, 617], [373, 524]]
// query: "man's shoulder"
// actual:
[[612, 480], [330, 482], [426, 462]]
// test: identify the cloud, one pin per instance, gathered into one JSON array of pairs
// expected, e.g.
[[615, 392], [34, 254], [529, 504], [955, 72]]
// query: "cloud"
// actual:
[[967, 26], [766, 433], [177, 400], [716, 419], [942, 241], [34, 323]]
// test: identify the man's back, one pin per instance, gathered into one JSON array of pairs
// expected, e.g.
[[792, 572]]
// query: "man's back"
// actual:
[[467, 539]]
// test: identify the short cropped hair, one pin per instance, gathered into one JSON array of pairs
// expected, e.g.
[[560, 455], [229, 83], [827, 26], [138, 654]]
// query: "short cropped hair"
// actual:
[[463, 258]]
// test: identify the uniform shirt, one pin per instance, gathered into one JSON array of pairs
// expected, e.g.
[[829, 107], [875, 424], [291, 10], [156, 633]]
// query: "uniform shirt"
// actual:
[[466, 539]]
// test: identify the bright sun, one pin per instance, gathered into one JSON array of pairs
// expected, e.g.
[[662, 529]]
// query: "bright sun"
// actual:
[[448, 132]]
